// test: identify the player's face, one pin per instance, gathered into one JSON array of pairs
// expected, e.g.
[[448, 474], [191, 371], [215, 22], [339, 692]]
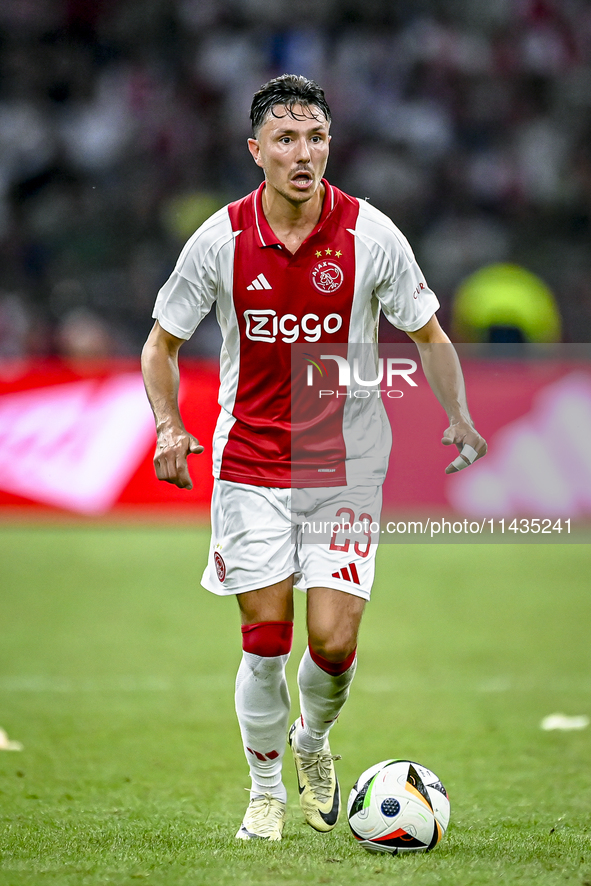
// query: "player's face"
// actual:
[[293, 151]]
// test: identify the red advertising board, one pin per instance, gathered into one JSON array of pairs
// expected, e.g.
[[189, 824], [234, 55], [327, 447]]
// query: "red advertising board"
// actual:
[[536, 418], [79, 439]]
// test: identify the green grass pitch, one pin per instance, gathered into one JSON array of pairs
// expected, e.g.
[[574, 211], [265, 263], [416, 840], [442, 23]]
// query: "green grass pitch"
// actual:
[[117, 671]]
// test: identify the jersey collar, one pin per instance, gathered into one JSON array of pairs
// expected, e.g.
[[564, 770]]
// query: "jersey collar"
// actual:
[[265, 234]]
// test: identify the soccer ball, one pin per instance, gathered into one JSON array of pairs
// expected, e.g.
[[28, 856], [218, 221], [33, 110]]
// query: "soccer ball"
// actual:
[[398, 806]]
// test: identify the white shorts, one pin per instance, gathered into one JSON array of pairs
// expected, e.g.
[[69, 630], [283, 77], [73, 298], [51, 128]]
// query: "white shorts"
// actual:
[[326, 537]]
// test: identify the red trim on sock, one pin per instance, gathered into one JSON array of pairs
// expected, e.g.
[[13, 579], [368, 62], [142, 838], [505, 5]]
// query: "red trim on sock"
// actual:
[[268, 638], [334, 668]]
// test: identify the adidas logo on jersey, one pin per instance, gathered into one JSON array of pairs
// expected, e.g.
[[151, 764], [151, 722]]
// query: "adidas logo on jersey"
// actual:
[[348, 573], [260, 282]]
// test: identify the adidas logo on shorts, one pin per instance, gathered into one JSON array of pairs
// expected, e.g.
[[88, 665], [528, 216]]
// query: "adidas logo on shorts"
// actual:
[[348, 573]]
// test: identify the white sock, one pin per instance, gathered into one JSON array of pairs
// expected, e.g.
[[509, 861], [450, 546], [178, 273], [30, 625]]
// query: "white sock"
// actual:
[[322, 697], [262, 706]]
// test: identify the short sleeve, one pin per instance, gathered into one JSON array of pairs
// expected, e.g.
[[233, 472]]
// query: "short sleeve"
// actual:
[[190, 291], [181, 305], [406, 300], [400, 285]]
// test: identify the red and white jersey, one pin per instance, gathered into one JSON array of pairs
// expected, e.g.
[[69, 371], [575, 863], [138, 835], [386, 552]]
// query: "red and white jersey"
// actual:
[[268, 300]]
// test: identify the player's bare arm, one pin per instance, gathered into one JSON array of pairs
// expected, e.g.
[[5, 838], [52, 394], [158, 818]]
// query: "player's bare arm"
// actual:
[[160, 369], [444, 374]]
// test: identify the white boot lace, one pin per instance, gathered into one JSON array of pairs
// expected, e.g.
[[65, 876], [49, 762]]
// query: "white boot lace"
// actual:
[[319, 771], [263, 815]]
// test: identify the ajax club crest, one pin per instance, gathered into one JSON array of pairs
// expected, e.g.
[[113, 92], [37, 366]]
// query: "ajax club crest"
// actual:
[[327, 277], [220, 566]]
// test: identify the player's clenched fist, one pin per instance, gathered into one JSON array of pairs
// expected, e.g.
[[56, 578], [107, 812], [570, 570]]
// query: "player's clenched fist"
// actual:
[[471, 446], [170, 458]]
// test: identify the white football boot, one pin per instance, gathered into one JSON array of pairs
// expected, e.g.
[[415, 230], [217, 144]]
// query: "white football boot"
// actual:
[[320, 797], [263, 820]]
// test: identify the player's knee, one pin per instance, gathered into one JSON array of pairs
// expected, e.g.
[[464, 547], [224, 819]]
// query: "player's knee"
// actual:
[[334, 648], [268, 638], [336, 665]]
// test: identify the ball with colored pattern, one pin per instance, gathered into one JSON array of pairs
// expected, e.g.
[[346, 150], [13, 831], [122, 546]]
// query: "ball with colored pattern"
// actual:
[[398, 806]]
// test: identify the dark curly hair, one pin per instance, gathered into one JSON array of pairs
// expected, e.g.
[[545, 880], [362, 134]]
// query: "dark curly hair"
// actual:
[[288, 90]]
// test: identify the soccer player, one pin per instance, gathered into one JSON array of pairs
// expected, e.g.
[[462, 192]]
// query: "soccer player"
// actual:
[[296, 261]]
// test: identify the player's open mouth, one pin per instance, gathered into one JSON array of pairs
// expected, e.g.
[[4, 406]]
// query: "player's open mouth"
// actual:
[[301, 179]]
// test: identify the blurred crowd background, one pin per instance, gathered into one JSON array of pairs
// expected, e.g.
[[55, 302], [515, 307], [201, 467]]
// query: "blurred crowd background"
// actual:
[[123, 126]]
